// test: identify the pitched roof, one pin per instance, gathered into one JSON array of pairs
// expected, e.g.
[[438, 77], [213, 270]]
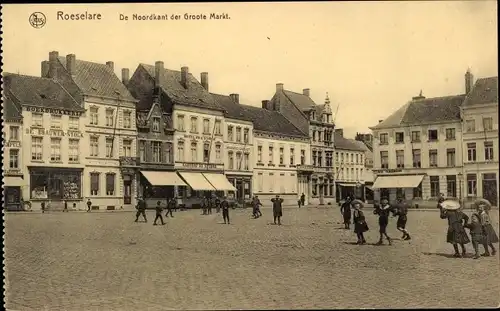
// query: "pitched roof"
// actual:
[[301, 101], [194, 95], [425, 111], [11, 110], [485, 91], [98, 80], [343, 143], [263, 119], [39, 92]]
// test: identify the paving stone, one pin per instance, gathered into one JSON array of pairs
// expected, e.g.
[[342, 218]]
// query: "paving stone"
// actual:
[[106, 261]]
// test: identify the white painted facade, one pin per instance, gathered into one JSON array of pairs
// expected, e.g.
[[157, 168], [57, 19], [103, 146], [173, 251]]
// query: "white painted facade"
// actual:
[[275, 171], [110, 134], [480, 150], [440, 159]]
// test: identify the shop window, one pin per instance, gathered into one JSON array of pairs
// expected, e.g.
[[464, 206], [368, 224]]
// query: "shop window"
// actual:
[[417, 192], [56, 184]]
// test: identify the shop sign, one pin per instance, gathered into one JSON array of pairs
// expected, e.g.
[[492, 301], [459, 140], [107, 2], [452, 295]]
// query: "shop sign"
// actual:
[[53, 132], [388, 171], [197, 137], [53, 111], [13, 144]]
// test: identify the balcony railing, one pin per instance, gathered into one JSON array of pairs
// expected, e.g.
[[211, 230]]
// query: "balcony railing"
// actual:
[[129, 161]]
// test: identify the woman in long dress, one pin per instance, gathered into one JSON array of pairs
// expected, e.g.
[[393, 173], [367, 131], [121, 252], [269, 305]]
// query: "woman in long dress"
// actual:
[[359, 221], [456, 220]]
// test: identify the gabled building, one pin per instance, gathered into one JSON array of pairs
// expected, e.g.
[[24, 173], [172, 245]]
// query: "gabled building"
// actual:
[[198, 123], [350, 167], [13, 174], [109, 154], [51, 142], [238, 150], [417, 150], [479, 113], [315, 121]]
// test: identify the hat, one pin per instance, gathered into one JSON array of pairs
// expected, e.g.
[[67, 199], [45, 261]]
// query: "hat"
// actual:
[[356, 202], [450, 205], [483, 202]]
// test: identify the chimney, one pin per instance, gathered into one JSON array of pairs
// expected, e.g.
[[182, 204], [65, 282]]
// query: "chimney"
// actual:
[[420, 96], [469, 81], [265, 103], [125, 76], [45, 68], [111, 65], [306, 92], [235, 98], [71, 64], [279, 87], [339, 132], [53, 59], [204, 80], [158, 73], [184, 76], [380, 121]]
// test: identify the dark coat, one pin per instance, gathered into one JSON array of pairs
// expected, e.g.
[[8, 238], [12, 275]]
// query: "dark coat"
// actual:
[[277, 207], [345, 209], [456, 221], [359, 222]]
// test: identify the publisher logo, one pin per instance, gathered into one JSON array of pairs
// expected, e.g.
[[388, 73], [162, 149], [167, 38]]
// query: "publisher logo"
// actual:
[[37, 20]]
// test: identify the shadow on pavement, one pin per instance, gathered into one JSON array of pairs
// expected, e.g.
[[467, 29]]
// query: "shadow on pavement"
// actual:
[[447, 255]]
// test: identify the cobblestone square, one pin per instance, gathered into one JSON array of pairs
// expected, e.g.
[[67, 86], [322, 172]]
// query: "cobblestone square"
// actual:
[[105, 261]]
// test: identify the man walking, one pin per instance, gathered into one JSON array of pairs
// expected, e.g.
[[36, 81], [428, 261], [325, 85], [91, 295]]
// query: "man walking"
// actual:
[[256, 207], [89, 205], [65, 206], [217, 204], [277, 209], [225, 210], [170, 206], [402, 211], [141, 210], [302, 199], [159, 209], [43, 207]]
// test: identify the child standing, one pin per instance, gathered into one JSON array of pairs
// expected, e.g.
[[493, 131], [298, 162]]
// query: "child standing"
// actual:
[[476, 232], [359, 222], [383, 212]]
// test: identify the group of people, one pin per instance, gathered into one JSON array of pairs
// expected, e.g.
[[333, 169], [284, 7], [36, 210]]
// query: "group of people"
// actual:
[[384, 211], [480, 227], [142, 206], [210, 202]]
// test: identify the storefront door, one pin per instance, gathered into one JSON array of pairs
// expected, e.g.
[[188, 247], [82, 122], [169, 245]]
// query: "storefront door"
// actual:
[[127, 192], [12, 198]]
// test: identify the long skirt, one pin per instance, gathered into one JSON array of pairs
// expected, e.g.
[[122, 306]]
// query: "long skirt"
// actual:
[[347, 218], [457, 235], [490, 236]]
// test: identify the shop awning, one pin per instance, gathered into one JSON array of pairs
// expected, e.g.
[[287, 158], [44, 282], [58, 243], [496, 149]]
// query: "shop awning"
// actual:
[[14, 181], [156, 178], [219, 181], [197, 181], [347, 185], [401, 181]]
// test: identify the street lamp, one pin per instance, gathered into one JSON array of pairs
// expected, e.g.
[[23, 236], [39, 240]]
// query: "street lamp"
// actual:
[[460, 178]]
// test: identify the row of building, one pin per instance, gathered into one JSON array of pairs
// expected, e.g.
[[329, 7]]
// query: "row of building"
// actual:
[[439, 145], [80, 132]]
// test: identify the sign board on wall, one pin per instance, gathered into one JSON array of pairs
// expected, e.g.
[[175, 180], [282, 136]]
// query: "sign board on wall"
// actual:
[[53, 132]]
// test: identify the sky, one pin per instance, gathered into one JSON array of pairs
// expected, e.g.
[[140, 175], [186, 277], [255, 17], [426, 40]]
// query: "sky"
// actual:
[[371, 57]]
